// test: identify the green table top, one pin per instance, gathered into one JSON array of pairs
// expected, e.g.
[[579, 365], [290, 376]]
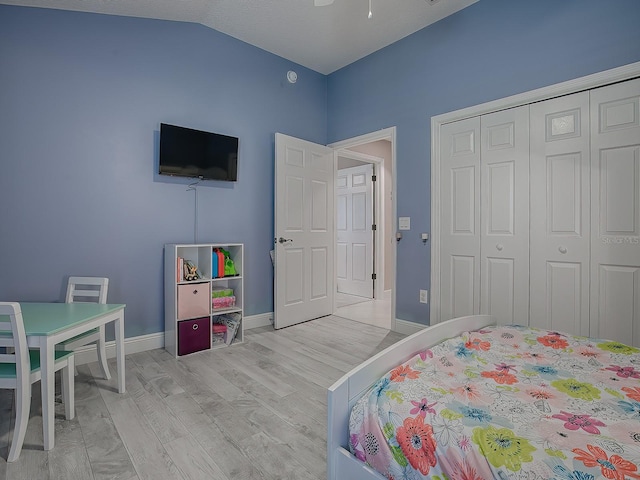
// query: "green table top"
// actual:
[[46, 319]]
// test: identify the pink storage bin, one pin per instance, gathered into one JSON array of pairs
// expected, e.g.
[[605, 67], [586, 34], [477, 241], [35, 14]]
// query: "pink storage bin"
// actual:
[[193, 300]]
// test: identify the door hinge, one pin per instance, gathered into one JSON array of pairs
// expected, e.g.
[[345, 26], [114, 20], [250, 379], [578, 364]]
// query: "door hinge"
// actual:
[[373, 276], [374, 227], [373, 178]]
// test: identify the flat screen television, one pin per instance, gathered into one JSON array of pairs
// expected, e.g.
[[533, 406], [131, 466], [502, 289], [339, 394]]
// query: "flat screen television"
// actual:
[[186, 152]]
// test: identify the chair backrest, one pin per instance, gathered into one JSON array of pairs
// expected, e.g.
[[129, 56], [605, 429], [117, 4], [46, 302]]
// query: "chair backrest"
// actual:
[[87, 290], [11, 321]]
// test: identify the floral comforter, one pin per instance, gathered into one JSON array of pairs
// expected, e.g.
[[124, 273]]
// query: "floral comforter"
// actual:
[[505, 402]]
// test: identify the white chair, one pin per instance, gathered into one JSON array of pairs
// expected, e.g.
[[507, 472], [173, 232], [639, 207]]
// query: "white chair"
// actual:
[[88, 290], [20, 369]]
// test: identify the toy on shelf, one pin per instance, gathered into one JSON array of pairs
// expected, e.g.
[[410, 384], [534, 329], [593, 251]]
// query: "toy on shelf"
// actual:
[[191, 271]]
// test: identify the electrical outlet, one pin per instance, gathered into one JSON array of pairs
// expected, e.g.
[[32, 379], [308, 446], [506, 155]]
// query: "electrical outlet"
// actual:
[[424, 296]]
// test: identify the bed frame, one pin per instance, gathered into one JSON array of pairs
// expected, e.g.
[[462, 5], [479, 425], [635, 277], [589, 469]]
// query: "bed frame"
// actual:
[[343, 394]]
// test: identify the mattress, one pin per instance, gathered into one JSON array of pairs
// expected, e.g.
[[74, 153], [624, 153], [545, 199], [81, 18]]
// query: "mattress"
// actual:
[[505, 402]]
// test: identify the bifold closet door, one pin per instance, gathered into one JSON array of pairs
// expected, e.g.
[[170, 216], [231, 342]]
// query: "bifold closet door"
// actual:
[[504, 215], [559, 214], [460, 221], [615, 212]]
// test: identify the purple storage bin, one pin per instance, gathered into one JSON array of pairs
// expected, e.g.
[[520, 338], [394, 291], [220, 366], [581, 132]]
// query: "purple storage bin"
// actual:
[[194, 335]]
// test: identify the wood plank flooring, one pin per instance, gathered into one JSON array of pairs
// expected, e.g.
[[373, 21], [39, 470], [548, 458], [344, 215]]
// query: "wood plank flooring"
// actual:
[[256, 410]]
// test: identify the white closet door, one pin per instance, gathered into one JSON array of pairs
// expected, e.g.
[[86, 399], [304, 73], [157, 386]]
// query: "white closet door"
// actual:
[[504, 244], [560, 234], [460, 222], [615, 212]]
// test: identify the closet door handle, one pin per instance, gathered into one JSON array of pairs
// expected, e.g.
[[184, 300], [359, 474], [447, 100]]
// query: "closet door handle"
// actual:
[[562, 249], [499, 247]]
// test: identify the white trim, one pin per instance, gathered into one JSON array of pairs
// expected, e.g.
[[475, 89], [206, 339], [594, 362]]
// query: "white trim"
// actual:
[[257, 321], [407, 327], [390, 135], [595, 80], [141, 343], [363, 157]]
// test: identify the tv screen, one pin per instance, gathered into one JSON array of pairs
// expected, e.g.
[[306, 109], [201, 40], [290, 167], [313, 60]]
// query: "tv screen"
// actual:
[[186, 152]]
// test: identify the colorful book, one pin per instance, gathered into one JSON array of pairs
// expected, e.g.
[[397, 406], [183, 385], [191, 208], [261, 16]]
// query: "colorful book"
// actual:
[[220, 263], [180, 269], [214, 264]]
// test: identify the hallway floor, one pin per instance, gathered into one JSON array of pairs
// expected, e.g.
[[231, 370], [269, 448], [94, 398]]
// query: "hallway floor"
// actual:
[[376, 312]]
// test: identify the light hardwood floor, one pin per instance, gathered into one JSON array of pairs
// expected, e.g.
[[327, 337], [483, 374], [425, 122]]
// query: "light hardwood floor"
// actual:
[[256, 410]]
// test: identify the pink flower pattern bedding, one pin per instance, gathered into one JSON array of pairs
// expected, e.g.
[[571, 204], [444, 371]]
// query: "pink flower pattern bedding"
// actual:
[[505, 402]]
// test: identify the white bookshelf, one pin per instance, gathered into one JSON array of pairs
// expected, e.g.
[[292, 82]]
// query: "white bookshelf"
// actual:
[[188, 303]]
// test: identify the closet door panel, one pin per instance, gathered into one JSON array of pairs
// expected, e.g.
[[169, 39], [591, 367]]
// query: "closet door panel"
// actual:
[[504, 245], [564, 295], [618, 303], [498, 285], [615, 214], [459, 235], [560, 233]]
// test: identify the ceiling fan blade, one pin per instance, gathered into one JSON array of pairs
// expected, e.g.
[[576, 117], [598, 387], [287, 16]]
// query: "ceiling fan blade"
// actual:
[[322, 3]]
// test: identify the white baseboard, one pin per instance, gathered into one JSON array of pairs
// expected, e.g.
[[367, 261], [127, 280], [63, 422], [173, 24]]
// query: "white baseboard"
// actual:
[[260, 320], [142, 343], [408, 328]]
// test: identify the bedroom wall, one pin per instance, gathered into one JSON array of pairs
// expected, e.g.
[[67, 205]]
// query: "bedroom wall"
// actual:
[[490, 50], [82, 97]]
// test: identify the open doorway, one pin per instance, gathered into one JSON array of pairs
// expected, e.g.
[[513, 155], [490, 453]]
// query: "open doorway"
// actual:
[[369, 297]]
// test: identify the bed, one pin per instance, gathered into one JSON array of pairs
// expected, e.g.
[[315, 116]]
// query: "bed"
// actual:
[[469, 399]]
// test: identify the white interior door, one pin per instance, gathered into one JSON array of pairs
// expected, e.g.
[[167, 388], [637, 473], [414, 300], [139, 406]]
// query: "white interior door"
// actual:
[[504, 242], [304, 231], [460, 222], [615, 212], [354, 220], [560, 233]]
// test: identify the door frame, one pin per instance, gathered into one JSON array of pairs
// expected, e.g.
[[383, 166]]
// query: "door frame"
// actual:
[[588, 82], [378, 220], [381, 234]]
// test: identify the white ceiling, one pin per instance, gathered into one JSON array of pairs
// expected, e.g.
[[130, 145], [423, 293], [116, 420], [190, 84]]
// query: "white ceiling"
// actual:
[[323, 39]]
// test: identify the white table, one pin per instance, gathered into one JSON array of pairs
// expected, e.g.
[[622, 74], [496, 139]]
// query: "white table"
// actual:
[[47, 324]]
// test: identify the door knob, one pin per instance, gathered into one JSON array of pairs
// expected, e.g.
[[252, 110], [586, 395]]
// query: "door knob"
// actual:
[[499, 247], [562, 249], [285, 240]]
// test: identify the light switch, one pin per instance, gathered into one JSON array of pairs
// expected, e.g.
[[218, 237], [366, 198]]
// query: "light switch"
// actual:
[[404, 223]]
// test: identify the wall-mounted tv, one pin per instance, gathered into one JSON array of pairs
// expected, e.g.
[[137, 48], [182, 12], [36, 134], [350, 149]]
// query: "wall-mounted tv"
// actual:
[[186, 152]]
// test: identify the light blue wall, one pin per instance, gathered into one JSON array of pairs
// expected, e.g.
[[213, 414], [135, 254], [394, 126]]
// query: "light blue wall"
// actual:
[[82, 97], [81, 101], [493, 49]]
